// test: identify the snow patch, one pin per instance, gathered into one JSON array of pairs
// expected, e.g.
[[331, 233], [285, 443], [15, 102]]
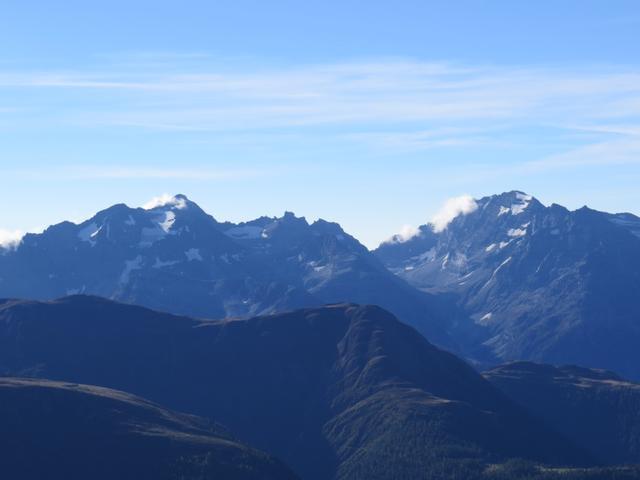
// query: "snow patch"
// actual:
[[445, 261], [314, 264], [524, 197], [468, 275], [95, 234], [495, 272], [88, 233], [245, 232], [500, 266], [457, 260], [167, 223], [160, 264], [518, 208], [130, 221], [193, 254], [485, 319], [428, 256], [151, 235], [76, 291], [517, 232], [130, 266]]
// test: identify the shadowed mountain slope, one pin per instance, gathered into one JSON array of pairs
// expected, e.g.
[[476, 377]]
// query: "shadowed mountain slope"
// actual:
[[596, 409], [68, 431], [342, 391]]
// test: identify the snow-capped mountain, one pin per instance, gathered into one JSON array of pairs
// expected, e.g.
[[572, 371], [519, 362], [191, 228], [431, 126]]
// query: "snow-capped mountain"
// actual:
[[177, 258], [538, 283]]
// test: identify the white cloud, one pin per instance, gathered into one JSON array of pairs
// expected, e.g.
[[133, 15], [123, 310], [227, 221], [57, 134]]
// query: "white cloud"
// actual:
[[451, 209], [10, 238], [401, 106], [407, 232], [383, 93], [441, 137], [164, 200], [115, 172], [622, 151]]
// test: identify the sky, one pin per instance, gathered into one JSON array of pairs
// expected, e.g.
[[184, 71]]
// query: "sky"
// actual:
[[368, 113]]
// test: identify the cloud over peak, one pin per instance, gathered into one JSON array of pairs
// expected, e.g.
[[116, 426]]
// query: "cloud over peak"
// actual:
[[10, 238], [406, 233], [451, 209], [177, 201]]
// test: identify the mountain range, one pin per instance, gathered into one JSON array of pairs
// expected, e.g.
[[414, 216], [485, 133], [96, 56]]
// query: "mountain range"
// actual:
[[295, 352], [536, 283], [176, 258], [508, 279]]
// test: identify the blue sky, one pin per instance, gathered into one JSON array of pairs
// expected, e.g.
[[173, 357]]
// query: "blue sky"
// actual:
[[368, 113]]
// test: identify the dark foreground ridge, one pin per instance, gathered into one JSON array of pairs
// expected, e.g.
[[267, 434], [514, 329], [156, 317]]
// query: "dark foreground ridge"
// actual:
[[61, 431], [596, 409], [342, 391]]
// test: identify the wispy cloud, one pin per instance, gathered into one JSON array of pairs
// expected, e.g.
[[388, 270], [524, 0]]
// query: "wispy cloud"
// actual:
[[383, 93], [396, 105], [82, 172], [624, 151], [446, 137]]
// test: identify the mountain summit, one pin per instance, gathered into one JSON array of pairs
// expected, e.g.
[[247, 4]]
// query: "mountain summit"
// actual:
[[538, 283]]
